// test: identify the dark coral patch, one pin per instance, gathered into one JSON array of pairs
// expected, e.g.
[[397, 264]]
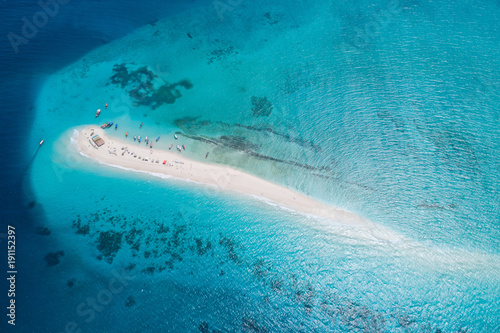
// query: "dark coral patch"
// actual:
[[200, 249], [43, 231], [251, 325], [261, 106], [141, 85], [230, 246], [130, 301], [70, 283], [204, 328], [109, 242], [237, 143], [185, 83], [221, 54], [52, 258], [141, 76], [81, 229]]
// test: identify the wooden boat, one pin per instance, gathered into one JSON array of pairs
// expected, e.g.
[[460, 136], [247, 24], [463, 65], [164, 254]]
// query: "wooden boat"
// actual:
[[158, 138], [141, 125], [183, 147], [175, 136], [98, 113], [170, 146], [126, 134], [104, 125], [206, 155], [151, 145]]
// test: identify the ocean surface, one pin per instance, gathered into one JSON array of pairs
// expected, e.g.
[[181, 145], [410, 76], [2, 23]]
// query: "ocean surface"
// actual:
[[388, 109]]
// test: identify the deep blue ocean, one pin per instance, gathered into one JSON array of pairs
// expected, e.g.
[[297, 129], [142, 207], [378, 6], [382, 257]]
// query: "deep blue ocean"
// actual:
[[388, 109]]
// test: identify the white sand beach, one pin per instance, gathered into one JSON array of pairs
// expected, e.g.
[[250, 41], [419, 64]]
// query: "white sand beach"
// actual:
[[138, 156]]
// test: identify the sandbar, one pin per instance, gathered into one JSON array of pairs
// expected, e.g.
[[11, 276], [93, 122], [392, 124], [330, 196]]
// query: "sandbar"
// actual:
[[131, 154]]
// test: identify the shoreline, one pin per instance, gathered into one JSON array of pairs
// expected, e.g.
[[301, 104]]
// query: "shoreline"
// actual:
[[134, 156]]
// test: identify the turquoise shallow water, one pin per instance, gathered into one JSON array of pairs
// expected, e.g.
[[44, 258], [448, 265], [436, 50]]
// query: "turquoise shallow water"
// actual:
[[389, 110]]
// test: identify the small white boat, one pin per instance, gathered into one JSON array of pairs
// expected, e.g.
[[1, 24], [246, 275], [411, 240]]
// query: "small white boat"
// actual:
[[175, 136], [41, 142]]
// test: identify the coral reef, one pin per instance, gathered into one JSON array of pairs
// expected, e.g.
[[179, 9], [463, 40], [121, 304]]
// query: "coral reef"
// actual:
[[52, 258], [146, 88], [108, 243], [42, 231], [261, 106]]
